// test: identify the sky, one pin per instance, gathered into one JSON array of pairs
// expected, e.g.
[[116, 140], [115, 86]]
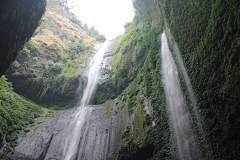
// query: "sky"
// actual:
[[107, 16]]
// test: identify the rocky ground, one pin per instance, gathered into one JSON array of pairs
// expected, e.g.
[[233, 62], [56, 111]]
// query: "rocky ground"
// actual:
[[98, 134]]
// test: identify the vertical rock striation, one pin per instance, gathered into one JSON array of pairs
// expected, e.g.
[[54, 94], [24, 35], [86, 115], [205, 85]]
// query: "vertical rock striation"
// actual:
[[99, 136]]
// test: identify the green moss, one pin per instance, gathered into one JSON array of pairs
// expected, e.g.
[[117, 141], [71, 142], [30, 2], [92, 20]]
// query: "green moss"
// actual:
[[147, 138], [208, 43], [138, 123], [125, 117], [16, 113], [130, 51], [147, 120], [107, 107]]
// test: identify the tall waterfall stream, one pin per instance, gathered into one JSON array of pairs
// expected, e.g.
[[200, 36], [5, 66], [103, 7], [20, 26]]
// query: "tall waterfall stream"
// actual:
[[83, 110], [184, 134]]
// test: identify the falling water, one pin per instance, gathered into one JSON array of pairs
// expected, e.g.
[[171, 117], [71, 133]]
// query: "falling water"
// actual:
[[196, 116], [180, 117], [93, 74], [83, 111]]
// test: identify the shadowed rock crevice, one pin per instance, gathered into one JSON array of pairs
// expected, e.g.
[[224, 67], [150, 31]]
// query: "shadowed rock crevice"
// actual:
[[18, 21]]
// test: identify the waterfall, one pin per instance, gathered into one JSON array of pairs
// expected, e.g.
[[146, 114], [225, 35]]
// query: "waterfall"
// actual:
[[93, 74], [84, 111], [83, 133], [196, 116], [179, 114]]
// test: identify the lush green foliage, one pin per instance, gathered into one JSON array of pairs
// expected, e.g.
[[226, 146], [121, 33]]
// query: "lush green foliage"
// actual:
[[94, 33], [51, 73], [151, 134], [61, 7], [136, 66], [133, 49], [15, 114], [207, 33]]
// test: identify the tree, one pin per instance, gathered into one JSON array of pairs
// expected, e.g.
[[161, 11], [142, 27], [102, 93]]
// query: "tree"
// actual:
[[92, 28], [85, 26]]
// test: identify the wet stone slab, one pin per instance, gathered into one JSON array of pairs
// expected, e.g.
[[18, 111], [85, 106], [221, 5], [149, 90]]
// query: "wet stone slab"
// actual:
[[98, 136]]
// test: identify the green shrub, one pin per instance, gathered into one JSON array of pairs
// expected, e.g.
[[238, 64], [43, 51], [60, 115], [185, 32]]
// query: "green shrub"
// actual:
[[15, 113], [64, 34], [57, 67]]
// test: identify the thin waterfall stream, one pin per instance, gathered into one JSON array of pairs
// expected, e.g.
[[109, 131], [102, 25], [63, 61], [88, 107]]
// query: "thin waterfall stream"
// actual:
[[83, 110], [180, 117]]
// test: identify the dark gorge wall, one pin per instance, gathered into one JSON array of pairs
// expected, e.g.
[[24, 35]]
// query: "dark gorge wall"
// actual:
[[18, 20]]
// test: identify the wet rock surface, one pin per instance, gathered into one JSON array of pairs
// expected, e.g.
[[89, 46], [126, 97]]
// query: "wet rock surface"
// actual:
[[99, 135], [36, 143]]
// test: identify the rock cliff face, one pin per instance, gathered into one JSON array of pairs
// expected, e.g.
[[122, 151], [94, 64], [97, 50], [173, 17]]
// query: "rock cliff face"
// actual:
[[99, 135], [18, 21], [54, 24]]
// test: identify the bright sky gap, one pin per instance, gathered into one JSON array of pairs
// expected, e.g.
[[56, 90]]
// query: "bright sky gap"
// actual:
[[107, 16]]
